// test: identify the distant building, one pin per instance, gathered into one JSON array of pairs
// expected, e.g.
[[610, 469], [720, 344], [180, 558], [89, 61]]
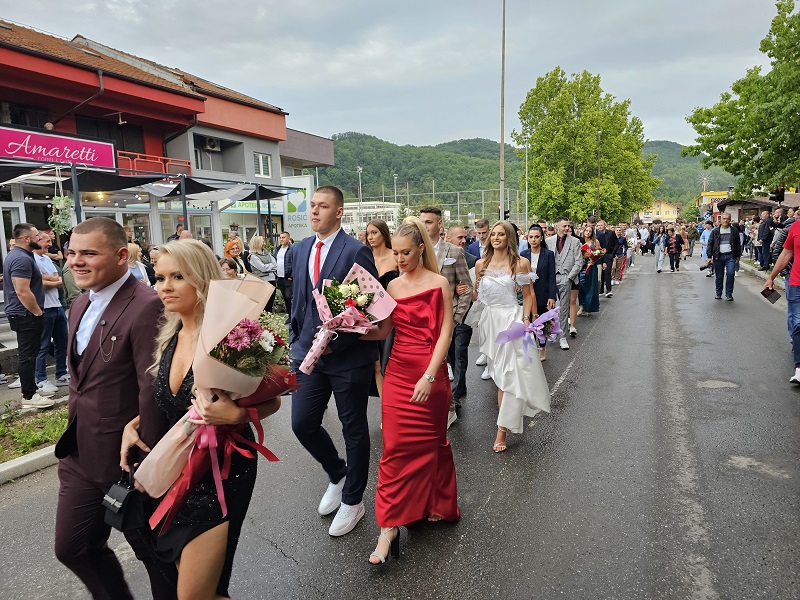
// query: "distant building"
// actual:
[[660, 210], [356, 217]]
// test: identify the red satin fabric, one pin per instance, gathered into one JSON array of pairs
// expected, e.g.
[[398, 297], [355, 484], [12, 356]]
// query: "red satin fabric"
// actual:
[[417, 476]]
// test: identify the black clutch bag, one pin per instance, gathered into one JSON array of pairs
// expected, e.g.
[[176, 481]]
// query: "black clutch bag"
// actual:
[[123, 503]]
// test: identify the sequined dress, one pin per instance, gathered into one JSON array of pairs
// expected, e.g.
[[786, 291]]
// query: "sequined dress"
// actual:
[[202, 509]]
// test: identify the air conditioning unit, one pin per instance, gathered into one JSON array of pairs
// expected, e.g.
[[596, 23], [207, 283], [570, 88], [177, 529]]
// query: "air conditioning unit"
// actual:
[[212, 144]]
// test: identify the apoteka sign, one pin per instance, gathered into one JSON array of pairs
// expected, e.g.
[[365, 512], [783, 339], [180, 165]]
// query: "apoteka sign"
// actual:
[[47, 147]]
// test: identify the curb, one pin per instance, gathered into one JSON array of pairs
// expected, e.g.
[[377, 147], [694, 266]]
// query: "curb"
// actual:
[[779, 283], [25, 465]]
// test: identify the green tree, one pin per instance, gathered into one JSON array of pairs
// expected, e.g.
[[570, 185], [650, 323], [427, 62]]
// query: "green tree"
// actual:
[[752, 132], [560, 121]]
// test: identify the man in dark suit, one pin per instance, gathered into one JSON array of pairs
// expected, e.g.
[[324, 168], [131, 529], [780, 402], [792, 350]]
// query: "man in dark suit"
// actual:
[[477, 247], [283, 257], [608, 241], [110, 347], [346, 368]]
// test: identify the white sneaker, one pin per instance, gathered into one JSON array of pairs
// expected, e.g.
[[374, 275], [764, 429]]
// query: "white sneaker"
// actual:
[[564, 343], [332, 498], [796, 377], [346, 519], [62, 381], [38, 401], [485, 375], [46, 388], [610, 295], [15, 384], [481, 362], [450, 372], [572, 331], [452, 417]]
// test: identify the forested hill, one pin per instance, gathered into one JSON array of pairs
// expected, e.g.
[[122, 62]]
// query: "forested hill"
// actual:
[[474, 164], [683, 175]]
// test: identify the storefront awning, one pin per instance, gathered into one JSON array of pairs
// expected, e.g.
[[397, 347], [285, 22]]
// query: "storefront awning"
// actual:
[[7, 173], [98, 181], [265, 193]]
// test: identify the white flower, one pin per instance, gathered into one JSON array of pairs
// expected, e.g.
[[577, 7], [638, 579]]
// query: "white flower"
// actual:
[[354, 289], [267, 340], [344, 290], [362, 299]]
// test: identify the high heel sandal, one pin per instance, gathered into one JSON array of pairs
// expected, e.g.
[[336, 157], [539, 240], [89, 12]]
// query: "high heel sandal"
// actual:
[[394, 547], [500, 446]]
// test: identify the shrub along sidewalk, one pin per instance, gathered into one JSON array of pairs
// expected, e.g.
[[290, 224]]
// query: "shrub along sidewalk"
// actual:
[[21, 434]]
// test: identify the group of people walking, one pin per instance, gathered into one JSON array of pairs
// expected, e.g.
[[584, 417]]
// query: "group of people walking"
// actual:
[[135, 344]]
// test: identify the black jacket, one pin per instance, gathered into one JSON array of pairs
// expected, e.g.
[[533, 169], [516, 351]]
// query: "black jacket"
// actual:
[[712, 250], [545, 286], [608, 240], [678, 243]]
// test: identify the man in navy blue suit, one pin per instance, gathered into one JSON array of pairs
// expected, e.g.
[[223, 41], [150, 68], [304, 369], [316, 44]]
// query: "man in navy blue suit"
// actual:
[[477, 247], [345, 370]]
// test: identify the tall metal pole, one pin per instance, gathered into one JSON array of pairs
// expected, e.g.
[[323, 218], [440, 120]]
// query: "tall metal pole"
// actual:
[[502, 108], [259, 228], [183, 200], [598, 173], [76, 194], [458, 206], [433, 200], [408, 199], [395, 188], [360, 204], [528, 217]]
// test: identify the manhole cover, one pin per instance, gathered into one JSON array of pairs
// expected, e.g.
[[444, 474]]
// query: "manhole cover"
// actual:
[[715, 384]]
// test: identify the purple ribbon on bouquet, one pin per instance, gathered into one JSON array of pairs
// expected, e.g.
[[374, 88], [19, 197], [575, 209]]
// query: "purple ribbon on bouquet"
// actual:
[[533, 332]]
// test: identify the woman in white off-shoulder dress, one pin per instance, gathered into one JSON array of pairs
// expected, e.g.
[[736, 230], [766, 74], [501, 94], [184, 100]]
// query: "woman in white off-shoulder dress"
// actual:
[[522, 386]]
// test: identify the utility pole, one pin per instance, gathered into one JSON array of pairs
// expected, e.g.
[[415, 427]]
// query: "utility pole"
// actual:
[[359, 170], [502, 110], [598, 173]]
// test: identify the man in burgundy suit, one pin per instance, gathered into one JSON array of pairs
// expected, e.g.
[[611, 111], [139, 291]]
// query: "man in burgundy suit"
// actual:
[[112, 329]]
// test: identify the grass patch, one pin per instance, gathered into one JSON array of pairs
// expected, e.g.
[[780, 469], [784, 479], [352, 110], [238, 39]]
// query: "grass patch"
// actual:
[[23, 434]]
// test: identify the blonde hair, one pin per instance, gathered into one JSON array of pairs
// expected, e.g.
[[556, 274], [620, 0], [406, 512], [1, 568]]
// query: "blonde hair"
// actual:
[[256, 244], [414, 228], [133, 252], [198, 266], [513, 253]]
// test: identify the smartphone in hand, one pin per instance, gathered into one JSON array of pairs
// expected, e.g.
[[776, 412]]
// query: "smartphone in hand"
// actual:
[[772, 295]]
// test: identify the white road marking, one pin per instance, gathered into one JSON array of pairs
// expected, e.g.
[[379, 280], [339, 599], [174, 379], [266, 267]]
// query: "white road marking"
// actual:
[[745, 462]]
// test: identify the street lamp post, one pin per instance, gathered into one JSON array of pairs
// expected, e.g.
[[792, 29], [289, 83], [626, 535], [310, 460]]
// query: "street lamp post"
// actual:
[[359, 170], [395, 188], [527, 202], [598, 173], [502, 109]]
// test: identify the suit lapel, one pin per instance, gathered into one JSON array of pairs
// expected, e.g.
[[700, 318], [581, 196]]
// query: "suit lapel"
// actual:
[[441, 254], [110, 316], [76, 312], [303, 256]]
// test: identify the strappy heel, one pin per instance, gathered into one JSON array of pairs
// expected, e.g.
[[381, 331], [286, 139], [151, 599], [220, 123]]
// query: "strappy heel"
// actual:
[[394, 547]]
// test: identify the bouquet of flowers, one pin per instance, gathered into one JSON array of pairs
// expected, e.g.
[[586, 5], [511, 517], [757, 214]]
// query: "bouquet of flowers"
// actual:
[[245, 355], [545, 327], [350, 307], [592, 254]]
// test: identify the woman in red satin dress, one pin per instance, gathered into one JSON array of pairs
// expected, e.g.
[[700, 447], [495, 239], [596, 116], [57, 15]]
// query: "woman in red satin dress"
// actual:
[[417, 476]]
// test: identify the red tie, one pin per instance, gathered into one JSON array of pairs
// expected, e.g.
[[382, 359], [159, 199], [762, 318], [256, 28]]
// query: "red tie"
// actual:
[[316, 262]]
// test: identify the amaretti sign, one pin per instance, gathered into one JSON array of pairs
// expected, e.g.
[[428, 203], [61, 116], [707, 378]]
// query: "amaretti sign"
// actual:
[[46, 147]]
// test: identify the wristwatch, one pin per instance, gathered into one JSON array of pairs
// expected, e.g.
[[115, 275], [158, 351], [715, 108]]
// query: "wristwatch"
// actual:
[[430, 378]]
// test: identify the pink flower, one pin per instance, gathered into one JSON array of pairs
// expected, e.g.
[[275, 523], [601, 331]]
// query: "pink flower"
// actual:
[[253, 328], [237, 339]]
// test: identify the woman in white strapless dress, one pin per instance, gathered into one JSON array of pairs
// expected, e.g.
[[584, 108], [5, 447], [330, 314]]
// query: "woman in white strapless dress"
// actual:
[[522, 386]]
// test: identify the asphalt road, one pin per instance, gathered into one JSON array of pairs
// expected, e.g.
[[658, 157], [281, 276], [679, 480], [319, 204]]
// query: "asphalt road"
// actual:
[[667, 469]]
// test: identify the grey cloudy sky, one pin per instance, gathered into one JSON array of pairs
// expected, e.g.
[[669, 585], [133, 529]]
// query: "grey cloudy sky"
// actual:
[[428, 71]]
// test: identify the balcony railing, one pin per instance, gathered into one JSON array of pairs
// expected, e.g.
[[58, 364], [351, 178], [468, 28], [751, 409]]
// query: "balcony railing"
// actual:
[[136, 162]]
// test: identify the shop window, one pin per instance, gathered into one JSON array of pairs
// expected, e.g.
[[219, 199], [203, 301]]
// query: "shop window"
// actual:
[[26, 116], [129, 138], [262, 164]]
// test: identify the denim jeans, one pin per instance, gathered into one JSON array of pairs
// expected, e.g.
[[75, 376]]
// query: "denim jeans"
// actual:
[[691, 247], [55, 328], [793, 301], [29, 337], [724, 267], [458, 358]]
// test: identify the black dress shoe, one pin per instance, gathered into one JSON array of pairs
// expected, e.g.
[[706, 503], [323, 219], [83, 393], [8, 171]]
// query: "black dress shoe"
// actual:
[[729, 298], [717, 297]]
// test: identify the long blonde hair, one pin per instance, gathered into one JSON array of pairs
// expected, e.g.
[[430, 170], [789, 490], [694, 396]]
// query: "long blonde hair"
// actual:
[[513, 253], [414, 228], [198, 266]]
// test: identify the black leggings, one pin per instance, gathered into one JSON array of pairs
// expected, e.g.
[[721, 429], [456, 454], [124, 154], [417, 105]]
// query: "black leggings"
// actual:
[[675, 261]]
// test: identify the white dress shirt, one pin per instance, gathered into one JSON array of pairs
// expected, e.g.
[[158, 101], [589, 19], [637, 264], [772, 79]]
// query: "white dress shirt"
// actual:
[[280, 257], [98, 302], [326, 246]]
